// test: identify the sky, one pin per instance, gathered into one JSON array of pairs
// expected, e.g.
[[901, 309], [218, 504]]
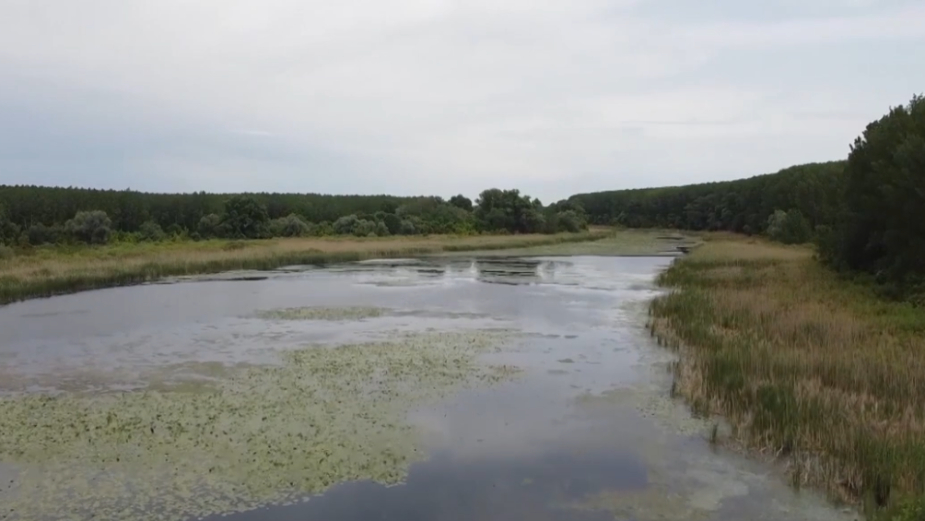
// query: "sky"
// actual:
[[439, 97]]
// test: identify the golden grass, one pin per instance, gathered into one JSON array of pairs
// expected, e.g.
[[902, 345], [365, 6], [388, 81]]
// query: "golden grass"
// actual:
[[50, 271], [804, 364]]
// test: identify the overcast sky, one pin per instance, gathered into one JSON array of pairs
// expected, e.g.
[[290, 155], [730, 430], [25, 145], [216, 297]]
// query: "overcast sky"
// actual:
[[439, 97]]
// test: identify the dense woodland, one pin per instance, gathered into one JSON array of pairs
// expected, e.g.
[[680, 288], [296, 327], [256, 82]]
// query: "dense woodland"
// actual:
[[866, 213], [33, 215]]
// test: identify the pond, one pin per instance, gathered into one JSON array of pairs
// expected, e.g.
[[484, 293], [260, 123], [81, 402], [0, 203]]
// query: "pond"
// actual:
[[438, 388]]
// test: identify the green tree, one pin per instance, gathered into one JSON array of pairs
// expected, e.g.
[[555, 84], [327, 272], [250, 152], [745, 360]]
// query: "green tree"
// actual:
[[244, 217], [91, 227], [883, 230], [789, 227], [151, 231], [290, 226], [462, 202], [9, 231], [210, 226], [346, 225]]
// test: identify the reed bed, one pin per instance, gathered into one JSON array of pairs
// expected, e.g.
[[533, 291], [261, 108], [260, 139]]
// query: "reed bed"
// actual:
[[54, 271], [806, 366]]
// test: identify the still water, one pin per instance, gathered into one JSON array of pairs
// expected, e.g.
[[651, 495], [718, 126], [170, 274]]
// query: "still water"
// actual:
[[585, 432]]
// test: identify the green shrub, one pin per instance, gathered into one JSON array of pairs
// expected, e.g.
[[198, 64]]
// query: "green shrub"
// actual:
[[91, 227], [346, 225], [290, 226], [151, 231], [210, 226]]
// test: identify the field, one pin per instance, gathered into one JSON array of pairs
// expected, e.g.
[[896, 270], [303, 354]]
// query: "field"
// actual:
[[805, 366], [44, 272]]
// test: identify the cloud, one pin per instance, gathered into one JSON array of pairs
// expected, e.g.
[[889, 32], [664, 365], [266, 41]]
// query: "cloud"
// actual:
[[440, 96]]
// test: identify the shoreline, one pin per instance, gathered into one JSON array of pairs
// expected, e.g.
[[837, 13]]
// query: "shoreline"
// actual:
[[809, 370], [50, 272]]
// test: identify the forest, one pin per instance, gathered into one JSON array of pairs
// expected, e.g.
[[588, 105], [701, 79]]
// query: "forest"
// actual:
[[865, 214], [34, 215]]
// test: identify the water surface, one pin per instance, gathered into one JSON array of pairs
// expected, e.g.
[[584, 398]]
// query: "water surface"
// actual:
[[586, 431]]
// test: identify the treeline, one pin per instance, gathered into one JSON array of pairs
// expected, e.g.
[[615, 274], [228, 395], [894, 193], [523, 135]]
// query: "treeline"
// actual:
[[32, 215], [866, 214], [809, 194]]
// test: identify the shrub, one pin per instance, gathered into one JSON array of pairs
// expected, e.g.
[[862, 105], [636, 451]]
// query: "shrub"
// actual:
[[40, 234], [346, 225], [382, 230], [9, 231], [407, 227], [364, 228], [151, 231], [570, 221], [290, 226], [91, 227], [210, 226], [789, 227], [6, 252]]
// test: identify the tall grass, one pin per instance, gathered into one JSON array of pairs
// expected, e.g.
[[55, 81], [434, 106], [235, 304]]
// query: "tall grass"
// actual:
[[805, 365], [52, 271]]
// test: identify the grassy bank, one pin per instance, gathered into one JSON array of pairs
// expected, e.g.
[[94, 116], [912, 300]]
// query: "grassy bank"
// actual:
[[804, 365], [44, 272]]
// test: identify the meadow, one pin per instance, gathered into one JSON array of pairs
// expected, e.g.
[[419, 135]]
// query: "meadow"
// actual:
[[47, 271], [806, 366]]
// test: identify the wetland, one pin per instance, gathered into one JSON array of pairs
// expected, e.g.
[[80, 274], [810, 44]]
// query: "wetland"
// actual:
[[454, 386]]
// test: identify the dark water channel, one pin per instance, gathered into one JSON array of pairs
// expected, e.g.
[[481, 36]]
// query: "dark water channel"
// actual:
[[587, 432]]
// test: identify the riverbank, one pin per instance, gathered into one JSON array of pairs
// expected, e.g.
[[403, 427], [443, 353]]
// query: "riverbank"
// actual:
[[46, 272], [804, 365]]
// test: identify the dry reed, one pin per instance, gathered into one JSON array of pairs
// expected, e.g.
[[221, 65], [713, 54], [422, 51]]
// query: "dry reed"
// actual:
[[805, 365]]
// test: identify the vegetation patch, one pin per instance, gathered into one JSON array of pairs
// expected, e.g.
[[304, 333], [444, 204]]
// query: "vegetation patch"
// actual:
[[258, 435], [43, 272], [323, 313], [804, 364]]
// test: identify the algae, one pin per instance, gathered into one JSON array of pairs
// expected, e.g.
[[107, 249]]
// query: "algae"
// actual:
[[322, 313], [258, 435]]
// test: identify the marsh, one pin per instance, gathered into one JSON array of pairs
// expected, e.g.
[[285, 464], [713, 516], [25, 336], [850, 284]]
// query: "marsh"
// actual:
[[437, 388]]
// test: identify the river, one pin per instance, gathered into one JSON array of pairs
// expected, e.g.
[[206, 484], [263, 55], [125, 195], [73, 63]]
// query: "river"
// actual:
[[582, 429]]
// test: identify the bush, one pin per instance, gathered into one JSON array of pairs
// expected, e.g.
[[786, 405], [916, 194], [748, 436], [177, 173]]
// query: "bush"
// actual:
[[364, 228], [393, 223], [9, 231], [151, 231], [40, 234], [6, 252], [346, 225], [92, 227], [570, 221], [290, 226], [382, 230], [407, 227], [210, 226], [789, 227]]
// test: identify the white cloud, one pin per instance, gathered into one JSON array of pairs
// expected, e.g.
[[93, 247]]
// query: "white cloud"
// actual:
[[445, 96]]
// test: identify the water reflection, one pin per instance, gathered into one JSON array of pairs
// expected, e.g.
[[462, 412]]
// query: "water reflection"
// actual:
[[444, 488], [520, 451]]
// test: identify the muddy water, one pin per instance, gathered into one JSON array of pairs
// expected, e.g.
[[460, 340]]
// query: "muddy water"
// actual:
[[586, 431]]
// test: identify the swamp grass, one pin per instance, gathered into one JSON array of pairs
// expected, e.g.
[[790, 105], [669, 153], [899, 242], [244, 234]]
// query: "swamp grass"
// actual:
[[45, 272], [805, 365]]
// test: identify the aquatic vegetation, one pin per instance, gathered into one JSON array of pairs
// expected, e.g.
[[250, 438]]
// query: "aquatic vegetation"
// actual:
[[323, 313], [259, 435], [805, 365]]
